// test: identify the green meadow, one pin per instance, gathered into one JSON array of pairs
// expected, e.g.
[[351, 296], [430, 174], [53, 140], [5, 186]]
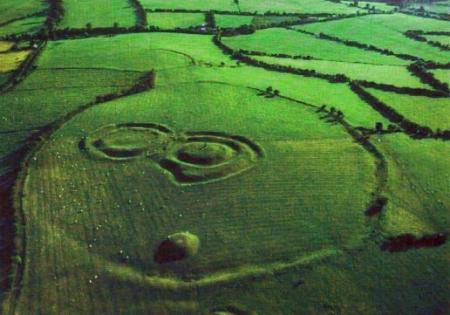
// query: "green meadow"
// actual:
[[386, 33], [189, 157]]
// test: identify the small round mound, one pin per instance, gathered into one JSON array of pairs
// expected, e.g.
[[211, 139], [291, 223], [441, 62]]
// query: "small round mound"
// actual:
[[205, 153], [177, 246]]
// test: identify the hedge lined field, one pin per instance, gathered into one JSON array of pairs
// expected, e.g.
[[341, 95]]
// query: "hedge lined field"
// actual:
[[386, 74], [436, 7], [264, 20], [221, 5], [11, 60], [14, 9], [227, 20], [386, 33], [378, 5], [175, 20], [140, 52], [445, 40], [442, 75], [278, 40], [295, 6], [426, 111], [27, 25], [310, 90], [418, 187], [101, 13]]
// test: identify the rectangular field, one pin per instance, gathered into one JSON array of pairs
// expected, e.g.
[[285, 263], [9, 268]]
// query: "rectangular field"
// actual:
[[279, 40], [10, 61], [13, 9], [226, 20], [295, 6], [426, 111], [220, 5], [442, 75], [27, 25], [165, 20], [101, 13], [386, 74], [386, 32]]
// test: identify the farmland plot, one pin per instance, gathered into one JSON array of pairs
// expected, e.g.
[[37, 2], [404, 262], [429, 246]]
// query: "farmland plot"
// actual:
[[386, 33]]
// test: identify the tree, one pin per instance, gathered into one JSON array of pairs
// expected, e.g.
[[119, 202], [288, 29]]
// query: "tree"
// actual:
[[269, 90], [276, 92], [378, 127], [89, 26], [321, 108]]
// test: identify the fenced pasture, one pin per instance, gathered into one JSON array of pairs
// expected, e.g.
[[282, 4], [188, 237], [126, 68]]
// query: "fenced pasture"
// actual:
[[386, 32]]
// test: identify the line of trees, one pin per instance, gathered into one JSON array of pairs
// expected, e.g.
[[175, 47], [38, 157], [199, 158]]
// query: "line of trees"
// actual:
[[144, 83], [413, 129], [54, 15], [418, 36], [210, 19], [419, 69], [227, 12], [402, 90], [140, 13]]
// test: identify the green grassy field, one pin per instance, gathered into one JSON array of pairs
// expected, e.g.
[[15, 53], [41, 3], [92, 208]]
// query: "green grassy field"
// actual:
[[431, 112], [418, 188], [264, 20], [295, 6], [442, 75], [386, 74], [278, 40], [175, 20], [140, 52], [104, 13], [27, 25], [226, 20], [13, 9], [152, 172], [386, 32], [436, 7], [445, 40], [225, 5], [378, 5]]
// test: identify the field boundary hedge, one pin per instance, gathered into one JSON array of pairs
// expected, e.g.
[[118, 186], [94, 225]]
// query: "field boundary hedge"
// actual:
[[241, 55], [418, 35], [141, 15], [412, 129]]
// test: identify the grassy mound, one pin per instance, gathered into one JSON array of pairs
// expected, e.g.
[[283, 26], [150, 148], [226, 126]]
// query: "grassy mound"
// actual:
[[176, 247], [125, 141], [204, 153]]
